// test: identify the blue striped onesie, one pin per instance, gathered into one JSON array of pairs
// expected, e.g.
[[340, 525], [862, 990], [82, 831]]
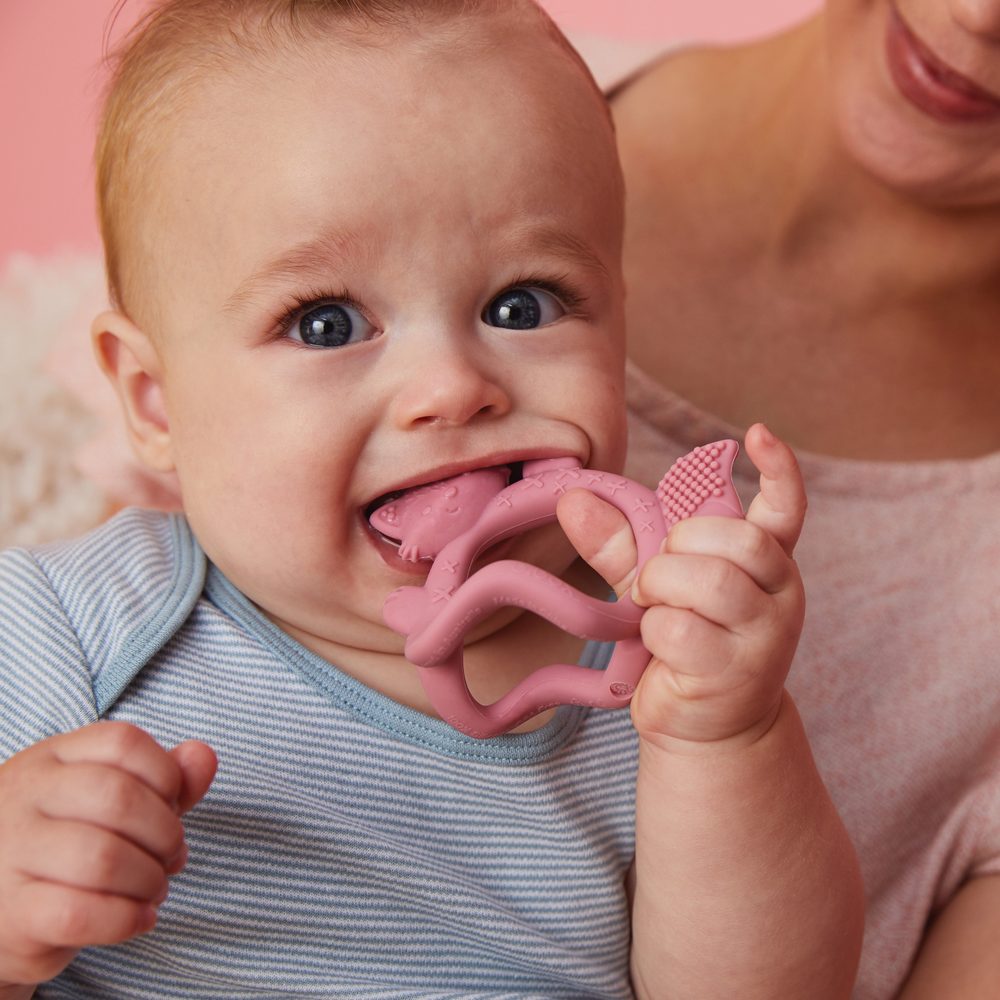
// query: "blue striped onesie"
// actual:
[[349, 847]]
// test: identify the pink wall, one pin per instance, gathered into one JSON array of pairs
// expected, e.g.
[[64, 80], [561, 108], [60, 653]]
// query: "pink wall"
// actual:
[[49, 83]]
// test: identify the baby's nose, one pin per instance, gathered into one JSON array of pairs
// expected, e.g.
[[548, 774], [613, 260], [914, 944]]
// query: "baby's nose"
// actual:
[[449, 383]]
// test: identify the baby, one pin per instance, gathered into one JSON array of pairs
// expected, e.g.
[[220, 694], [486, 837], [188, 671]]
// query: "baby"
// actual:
[[355, 248]]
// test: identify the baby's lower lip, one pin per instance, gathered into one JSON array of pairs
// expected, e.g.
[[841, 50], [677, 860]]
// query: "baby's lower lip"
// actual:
[[931, 85], [389, 553]]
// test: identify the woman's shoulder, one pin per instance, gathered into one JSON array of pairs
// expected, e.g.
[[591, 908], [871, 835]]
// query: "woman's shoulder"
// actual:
[[656, 78], [688, 101], [701, 97], [613, 62]]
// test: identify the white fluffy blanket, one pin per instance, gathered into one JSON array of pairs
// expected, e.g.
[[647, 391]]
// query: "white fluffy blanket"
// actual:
[[43, 494]]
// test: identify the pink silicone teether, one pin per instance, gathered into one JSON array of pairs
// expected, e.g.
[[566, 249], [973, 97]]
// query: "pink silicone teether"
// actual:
[[456, 520], [425, 519]]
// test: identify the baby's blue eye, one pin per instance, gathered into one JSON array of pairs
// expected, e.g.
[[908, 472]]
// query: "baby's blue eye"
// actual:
[[334, 324], [523, 308]]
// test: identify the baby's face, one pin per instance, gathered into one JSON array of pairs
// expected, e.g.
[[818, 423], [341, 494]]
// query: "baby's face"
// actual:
[[377, 268]]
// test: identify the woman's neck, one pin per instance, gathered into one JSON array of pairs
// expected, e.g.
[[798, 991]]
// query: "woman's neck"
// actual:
[[820, 206], [770, 277]]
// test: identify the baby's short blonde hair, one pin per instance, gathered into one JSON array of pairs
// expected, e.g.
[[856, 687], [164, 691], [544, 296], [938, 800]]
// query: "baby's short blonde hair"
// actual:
[[162, 60]]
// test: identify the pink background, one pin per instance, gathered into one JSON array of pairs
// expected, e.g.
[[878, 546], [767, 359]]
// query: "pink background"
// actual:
[[49, 84]]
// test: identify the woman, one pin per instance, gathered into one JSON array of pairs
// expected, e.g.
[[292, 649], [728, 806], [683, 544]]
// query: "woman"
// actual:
[[813, 240]]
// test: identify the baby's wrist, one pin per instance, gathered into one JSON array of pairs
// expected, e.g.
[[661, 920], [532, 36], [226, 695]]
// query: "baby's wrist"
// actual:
[[736, 742], [11, 991]]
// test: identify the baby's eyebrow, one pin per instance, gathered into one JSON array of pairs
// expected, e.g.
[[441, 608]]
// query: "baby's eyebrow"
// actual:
[[314, 258], [544, 239]]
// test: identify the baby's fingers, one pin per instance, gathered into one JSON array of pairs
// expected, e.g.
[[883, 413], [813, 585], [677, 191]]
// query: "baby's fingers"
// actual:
[[780, 507], [601, 534], [198, 764], [80, 856], [59, 916], [122, 745], [712, 587], [746, 546], [112, 799]]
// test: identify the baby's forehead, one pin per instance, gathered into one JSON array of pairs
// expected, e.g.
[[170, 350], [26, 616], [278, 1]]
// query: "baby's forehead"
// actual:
[[233, 96], [421, 83], [501, 29]]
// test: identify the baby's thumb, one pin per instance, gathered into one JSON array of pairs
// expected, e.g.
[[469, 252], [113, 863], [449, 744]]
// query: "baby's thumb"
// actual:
[[780, 507], [198, 764], [602, 536]]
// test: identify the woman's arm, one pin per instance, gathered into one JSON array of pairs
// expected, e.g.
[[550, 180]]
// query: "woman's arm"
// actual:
[[960, 957]]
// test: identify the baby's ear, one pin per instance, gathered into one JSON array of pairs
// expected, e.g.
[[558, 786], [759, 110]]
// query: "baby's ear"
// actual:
[[132, 364]]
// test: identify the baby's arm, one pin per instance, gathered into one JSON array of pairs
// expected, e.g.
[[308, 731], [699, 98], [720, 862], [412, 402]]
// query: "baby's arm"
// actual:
[[89, 831], [745, 882]]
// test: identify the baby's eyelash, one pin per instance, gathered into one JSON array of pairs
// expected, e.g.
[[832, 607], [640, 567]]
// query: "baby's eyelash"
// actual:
[[297, 305], [561, 287]]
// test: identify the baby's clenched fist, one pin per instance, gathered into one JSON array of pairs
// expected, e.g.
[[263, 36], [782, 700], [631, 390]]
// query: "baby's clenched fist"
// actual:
[[89, 833]]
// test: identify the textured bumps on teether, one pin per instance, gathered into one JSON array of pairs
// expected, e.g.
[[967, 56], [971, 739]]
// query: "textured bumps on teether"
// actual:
[[701, 483], [436, 617]]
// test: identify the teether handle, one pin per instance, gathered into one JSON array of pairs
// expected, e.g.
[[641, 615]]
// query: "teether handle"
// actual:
[[509, 583]]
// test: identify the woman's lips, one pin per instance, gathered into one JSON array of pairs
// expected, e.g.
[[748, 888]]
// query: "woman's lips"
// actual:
[[930, 84]]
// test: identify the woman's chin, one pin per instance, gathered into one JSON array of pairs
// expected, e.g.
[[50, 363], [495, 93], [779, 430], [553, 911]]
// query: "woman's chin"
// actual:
[[915, 160]]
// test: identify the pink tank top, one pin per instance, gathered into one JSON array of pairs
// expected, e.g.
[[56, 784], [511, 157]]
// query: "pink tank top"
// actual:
[[898, 673]]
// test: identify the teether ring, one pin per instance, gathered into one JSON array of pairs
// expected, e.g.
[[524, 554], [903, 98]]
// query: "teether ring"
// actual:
[[455, 521]]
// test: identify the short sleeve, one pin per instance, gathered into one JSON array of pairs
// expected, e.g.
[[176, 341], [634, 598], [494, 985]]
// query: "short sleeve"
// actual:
[[45, 685], [79, 620]]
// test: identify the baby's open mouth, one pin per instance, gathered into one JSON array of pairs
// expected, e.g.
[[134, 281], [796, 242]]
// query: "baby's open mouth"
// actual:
[[424, 519]]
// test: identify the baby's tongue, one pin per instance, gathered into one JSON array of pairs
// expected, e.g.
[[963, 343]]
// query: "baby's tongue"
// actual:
[[425, 519]]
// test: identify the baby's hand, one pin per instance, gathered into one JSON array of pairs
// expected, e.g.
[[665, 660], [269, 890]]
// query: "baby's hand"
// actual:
[[725, 606], [725, 609], [89, 832]]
